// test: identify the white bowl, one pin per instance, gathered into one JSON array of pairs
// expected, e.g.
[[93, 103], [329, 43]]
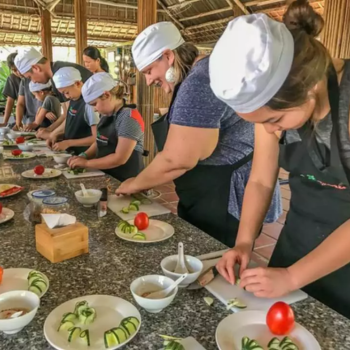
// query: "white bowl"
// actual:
[[152, 283], [168, 265], [14, 300], [61, 158], [12, 136], [25, 147], [4, 130], [94, 197]]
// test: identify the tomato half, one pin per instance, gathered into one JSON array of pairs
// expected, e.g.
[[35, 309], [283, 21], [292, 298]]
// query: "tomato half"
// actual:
[[141, 221], [280, 318], [16, 152], [39, 170], [20, 139]]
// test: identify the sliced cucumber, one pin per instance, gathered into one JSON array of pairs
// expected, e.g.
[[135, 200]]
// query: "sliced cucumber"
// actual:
[[250, 344], [35, 289], [133, 207], [130, 325], [286, 340], [136, 202], [289, 347], [122, 225], [74, 333], [174, 345], [69, 316], [274, 341], [64, 326], [238, 281], [40, 283], [139, 236], [36, 278], [84, 335], [125, 210], [35, 273], [79, 306], [121, 334], [133, 229], [110, 339], [87, 315], [235, 303]]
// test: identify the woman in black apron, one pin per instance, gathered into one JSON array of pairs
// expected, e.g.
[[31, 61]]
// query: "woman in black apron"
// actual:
[[118, 148], [305, 129], [203, 146]]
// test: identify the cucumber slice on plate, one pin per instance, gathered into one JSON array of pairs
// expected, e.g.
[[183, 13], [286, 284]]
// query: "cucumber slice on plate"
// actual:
[[274, 341], [40, 283], [123, 224], [174, 345], [69, 316], [133, 207], [139, 236], [65, 326], [121, 334], [35, 289], [79, 306], [110, 339], [136, 202], [130, 324], [33, 278], [133, 229], [74, 333], [87, 315], [235, 303], [84, 335], [250, 344]]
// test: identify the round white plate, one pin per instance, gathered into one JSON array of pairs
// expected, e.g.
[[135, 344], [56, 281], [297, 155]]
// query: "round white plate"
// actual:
[[252, 324], [6, 215], [27, 154], [36, 143], [48, 174], [157, 231], [16, 279], [110, 312], [9, 195]]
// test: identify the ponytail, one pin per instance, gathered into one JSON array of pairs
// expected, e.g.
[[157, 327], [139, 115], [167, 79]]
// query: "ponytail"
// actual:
[[95, 54]]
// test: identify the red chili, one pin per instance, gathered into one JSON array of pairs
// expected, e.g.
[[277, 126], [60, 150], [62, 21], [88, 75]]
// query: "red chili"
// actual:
[[10, 191]]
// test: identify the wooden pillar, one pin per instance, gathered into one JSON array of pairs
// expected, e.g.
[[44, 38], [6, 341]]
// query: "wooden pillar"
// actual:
[[336, 34], [46, 36], [80, 29], [146, 15]]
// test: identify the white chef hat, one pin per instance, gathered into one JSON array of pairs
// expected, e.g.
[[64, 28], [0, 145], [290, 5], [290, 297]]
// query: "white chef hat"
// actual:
[[66, 76], [26, 58], [33, 87], [96, 85], [153, 41], [250, 62]]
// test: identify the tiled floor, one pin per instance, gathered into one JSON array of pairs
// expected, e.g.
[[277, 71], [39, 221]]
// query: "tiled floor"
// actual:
[[265, 244]]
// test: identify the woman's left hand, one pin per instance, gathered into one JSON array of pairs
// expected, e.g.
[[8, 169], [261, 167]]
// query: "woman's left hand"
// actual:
[[267, 282], [77, 162], [127, 187]]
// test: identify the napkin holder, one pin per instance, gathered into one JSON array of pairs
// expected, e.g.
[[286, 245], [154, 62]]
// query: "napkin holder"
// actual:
[[62, 243]]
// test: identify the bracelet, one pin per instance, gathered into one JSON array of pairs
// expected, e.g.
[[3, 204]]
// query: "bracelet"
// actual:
[[83, 154]]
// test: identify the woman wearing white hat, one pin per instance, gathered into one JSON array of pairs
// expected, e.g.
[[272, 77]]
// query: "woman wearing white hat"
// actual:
[[79, 127], [204, 146], [283, 79], [49, 111], [119, 144]]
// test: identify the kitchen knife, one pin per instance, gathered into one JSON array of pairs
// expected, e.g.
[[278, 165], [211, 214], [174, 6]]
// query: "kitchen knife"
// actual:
[[204, 279]]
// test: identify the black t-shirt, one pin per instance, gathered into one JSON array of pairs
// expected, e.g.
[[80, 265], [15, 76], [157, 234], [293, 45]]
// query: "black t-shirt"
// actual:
[[55, 66], [11, 88]]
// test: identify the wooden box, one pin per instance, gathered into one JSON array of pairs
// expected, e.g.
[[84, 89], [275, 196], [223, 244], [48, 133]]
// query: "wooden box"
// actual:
[[62, 243]]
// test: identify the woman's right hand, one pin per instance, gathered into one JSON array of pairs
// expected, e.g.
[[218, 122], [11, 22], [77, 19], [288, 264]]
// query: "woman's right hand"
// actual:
[[240, 254]]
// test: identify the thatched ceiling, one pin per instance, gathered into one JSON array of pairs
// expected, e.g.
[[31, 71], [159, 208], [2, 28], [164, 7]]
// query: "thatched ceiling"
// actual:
[[109, 22]]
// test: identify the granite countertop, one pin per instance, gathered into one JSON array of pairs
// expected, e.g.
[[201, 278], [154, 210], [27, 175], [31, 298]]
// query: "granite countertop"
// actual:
[[113, 264]]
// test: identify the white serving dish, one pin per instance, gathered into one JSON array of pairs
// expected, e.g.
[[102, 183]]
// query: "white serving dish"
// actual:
[[25, 147], [61, 158], [94, 197]]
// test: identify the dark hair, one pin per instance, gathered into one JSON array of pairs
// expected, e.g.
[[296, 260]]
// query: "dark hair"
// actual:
[[311, 59], [95, 54], [185, 55], [11, 60]]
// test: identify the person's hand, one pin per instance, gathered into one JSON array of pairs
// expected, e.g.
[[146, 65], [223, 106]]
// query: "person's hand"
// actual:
[[30, 127], [2, 125], [127, 187], [240, 254], [42, 133], [17, 127], [268, 282], [77, 162], [50, 116], [61, 146], [51, 140]]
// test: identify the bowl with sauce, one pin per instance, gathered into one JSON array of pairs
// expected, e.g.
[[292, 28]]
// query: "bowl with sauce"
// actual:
[[143, 286], [92, 198], [62, 158], [17, 310]]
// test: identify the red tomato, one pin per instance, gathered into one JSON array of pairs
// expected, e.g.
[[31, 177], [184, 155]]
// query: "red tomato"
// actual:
[[280, 318], [141, 221], [39, 170], [16, 152], [1, 272], [20, 139], [0, 208]]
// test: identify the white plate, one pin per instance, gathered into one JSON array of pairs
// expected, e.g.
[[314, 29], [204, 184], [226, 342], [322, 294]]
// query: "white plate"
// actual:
[[12, 194], [16, 279], [48, 174], [6, 215], [36, 143], [157, 231], [28, 156], [252, 324], [110, 312]]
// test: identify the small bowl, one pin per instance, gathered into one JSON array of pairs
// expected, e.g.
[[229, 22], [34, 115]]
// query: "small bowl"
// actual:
[[12, 136], [15, 300], [37, 196], [4, 130], [149, 284], [168, 265], [94, 197], [61, 158], [25, 147]]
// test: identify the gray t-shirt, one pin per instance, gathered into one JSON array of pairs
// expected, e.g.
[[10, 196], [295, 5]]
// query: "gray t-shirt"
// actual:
[[52, 104], [196, 105], [31, 103], [91, 117], [11, 88]]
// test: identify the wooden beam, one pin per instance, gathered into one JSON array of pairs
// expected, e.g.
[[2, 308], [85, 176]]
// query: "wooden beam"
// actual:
[[242, 7], [261, 3], [80, 29], [204, 14], [182, 4], [170, 14], [46, 35], [219, 21]]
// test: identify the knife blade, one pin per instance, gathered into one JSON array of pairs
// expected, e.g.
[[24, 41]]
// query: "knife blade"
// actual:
[[204, 279]]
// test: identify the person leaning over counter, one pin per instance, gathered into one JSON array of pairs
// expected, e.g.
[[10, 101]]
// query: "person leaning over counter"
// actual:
[[11, 88], [299, 99], [93, 60], [119, 144], [79, 128], [204, 146]]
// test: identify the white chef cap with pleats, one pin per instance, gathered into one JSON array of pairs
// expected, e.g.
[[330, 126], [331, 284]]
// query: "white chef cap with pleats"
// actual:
[[97, 85], [27, 58], [34, 87], [250, 62], [66, 76], [150, 44]]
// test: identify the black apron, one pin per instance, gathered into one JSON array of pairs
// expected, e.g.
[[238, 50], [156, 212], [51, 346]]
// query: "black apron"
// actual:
[[107, 141], [76, 126], [320, 203], [204, 191]]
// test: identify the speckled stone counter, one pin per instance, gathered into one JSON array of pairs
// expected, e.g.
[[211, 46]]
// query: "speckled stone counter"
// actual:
[[113, 264]]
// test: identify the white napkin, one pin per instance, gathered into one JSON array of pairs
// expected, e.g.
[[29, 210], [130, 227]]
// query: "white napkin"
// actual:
[[58, 220]]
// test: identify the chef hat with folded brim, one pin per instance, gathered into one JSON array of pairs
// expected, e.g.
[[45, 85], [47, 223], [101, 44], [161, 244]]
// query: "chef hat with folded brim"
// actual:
[[34, 87], [250, 62], [27, 58], [97, 85], [66, 76], [150, 44]]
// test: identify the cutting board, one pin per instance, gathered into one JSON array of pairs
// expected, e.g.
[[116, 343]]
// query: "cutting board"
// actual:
[[117, 203], [88, 173], [224, 291], [191, 344]]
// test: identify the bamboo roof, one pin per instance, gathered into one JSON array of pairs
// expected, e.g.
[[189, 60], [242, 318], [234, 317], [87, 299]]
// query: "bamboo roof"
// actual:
[[112, 22]]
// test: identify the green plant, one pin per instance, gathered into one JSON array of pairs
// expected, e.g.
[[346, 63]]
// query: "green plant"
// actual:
[[4, 74]]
